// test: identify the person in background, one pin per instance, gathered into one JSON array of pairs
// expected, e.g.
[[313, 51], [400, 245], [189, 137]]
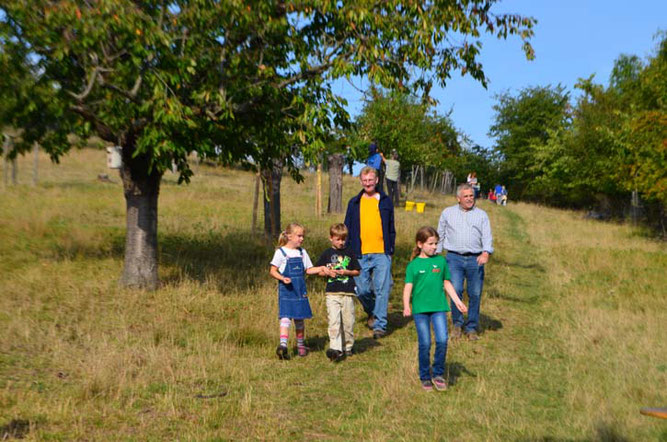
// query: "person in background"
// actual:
[[472, 180], [393, 175], [499, 192], [372, 236], [465, 232], [503, 196], [492, 196], [376, 160]]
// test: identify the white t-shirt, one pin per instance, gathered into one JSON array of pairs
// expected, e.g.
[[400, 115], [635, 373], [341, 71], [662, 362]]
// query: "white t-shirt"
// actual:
[[280, 261]]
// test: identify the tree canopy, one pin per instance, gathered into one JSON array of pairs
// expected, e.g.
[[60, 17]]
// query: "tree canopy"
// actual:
[[227, 79]]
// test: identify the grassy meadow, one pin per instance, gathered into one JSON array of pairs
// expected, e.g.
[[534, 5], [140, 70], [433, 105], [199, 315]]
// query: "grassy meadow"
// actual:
[[574, 318]]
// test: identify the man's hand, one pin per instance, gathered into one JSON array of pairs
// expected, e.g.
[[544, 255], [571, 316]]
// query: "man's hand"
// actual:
[[483, 258], [407, 311]]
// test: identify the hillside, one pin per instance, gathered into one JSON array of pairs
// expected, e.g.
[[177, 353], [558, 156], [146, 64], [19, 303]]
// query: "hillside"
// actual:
[[573, 341]]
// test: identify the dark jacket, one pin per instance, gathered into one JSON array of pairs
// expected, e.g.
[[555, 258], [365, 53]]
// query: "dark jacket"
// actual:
[[354, 229]]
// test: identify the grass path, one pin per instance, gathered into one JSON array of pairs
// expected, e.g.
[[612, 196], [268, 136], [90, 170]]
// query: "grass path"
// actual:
[[573, 315]]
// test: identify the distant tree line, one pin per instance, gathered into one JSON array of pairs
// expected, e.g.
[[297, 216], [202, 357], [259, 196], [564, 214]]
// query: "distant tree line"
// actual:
[[606, 152]]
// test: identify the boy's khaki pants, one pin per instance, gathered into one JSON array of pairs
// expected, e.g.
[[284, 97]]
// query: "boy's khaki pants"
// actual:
[[340, 306]]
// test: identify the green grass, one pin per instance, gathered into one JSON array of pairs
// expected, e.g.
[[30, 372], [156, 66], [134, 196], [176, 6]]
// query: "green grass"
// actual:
[[574, 320]]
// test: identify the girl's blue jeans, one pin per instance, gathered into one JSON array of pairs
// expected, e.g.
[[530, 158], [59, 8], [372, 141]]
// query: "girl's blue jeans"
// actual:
[[423, 322]]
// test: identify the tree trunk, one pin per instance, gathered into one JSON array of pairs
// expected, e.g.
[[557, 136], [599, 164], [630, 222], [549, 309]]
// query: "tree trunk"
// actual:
[[271, 180], [255, 203], [336, 163], [141, 197]]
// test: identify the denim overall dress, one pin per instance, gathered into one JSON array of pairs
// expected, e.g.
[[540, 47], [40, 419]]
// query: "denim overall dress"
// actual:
[[292, 298]]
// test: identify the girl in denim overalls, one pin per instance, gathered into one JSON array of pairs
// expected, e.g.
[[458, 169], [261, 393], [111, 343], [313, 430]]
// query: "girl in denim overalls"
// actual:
[[289, 266]]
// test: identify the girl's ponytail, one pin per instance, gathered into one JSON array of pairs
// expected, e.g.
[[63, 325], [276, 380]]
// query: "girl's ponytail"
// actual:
[[282, 239], [423, 234], [416, 251]]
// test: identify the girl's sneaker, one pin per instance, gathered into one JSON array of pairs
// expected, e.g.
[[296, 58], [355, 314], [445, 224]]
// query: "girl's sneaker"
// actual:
[[427, 385], [440, 383], [303, 351], [282, 353]]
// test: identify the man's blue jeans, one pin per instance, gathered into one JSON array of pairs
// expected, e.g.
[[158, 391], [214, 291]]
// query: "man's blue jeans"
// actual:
[[374, 285], [423, 323], [466, 268]]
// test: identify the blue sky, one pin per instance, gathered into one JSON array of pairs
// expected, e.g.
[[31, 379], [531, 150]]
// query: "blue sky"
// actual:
[[573, 39]]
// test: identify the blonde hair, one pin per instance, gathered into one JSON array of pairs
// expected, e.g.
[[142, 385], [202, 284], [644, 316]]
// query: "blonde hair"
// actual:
[[338, 230], [282, 239], [423, 234]]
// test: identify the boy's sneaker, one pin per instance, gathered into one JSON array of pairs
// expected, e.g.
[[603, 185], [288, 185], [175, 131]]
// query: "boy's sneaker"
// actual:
[[439, 383], [427, 385], [303, 351], [349, 353], [379, 334], [457, 333], [282, 353], [334, 355]]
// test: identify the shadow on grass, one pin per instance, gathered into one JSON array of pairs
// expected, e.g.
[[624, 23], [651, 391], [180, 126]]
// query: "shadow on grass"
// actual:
[[396, 321], [364, 344], [487, 323], [534, 266], [15, 429], [493, 293], [237, 261], [455, 370]]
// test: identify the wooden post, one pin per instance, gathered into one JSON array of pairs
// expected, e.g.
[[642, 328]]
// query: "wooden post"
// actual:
[[318, 191]]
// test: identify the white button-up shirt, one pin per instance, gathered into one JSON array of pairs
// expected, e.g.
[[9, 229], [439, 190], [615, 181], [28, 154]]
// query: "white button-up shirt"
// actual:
[[464, 231]]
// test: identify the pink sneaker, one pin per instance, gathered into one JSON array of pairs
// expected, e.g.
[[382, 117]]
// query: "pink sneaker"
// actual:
[[303, 351]]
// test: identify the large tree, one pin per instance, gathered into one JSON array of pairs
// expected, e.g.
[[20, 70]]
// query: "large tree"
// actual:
[[165, 78]]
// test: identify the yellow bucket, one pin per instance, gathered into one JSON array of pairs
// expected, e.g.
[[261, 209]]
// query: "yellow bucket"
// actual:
[[420, 207], [409, 205]]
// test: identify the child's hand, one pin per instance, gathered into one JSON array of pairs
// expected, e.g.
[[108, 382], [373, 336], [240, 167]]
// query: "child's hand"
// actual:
[[329, 272], [287, 280], [462, 307], [407, 311]]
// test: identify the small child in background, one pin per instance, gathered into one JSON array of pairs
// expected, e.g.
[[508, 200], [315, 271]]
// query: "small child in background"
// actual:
[[340, 292], [427, 279], [289, 266]]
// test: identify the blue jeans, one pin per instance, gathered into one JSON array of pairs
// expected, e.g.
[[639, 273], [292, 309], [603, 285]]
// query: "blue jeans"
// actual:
[[423, 323], [466, 268], [374, 285]]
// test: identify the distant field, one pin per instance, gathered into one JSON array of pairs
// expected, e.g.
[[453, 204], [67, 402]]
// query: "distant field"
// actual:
[[574, 338]]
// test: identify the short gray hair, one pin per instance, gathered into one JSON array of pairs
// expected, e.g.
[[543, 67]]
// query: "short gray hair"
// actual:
[[461, 187], [368, 169]]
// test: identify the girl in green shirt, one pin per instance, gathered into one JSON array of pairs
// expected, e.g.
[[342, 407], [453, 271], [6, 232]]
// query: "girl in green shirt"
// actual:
[[426, 281]]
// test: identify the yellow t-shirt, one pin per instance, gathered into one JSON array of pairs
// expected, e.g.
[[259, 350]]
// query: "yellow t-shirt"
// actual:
[[370, 224]]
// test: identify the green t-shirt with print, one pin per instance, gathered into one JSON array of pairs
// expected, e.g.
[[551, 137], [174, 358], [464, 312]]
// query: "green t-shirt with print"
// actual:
[[427, 276]]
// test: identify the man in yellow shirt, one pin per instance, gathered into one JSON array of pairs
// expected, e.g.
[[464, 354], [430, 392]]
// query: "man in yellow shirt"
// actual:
[[372, 236]]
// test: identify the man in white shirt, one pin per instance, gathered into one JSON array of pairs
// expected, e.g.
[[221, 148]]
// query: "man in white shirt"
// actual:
[[465, 232]]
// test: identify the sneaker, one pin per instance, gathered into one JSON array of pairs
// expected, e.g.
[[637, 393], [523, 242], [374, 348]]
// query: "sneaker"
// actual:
[[349, 353], [303, 351], [427, 385], [439, 383], [473, 336], [334, 355], [370, 322], [282, 353], [378, 334], [457, 333]]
